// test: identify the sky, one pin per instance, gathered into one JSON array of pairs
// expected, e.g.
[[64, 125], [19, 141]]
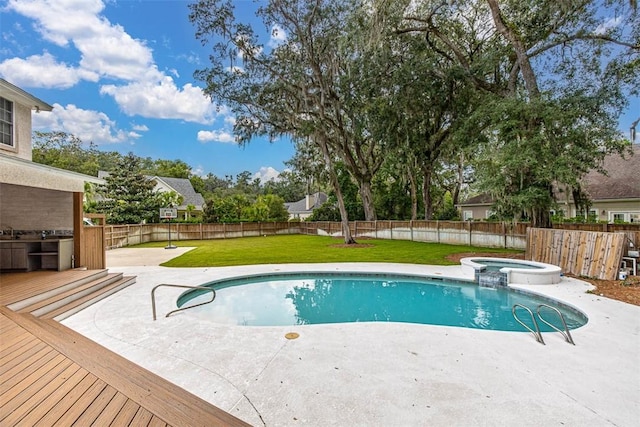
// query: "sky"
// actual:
[[119, 73]]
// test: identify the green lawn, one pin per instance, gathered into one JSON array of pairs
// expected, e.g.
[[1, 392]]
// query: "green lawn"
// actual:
[[312, 249]]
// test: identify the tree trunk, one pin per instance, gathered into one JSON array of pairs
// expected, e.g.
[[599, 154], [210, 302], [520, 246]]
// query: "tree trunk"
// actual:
[[426, 193], [367, 201], [528, 75], [413, 188], [333, 177], [540, 218], [459, 181]]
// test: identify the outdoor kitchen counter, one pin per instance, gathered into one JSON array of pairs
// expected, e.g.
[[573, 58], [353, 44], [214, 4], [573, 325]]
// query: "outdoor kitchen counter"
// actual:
[[36, 254]]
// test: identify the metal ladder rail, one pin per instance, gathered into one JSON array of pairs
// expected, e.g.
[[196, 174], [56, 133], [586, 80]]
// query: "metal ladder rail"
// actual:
[[565, 333], [536, 333], [153, 297]]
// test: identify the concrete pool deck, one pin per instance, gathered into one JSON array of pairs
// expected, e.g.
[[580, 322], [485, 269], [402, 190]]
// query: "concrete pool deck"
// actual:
[[366, 374]]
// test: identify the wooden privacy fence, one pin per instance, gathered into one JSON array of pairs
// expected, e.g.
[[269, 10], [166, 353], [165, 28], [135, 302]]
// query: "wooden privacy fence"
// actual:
[[582, 253], [482, 234]]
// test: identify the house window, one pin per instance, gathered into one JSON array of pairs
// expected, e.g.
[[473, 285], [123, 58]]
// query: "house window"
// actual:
[[6, 122], [618, 217], [467, 215]]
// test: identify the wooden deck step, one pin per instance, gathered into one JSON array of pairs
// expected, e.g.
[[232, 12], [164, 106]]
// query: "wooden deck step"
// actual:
[[76, 305], [73, 300], [61, 297], [76, 279], [132, 393]]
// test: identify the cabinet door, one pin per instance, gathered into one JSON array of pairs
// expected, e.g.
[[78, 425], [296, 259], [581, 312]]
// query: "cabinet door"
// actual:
[[19, 257], [5, 257]]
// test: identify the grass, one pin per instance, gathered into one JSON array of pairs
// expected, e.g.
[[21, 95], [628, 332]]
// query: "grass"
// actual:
[[313, 249]]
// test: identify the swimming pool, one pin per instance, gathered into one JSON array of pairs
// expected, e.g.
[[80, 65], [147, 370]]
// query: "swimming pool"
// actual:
[[321, 298]]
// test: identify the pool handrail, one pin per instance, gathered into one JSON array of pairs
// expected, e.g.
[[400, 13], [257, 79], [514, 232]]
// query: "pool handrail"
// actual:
[[153, 297], [535, 333], [565, 333]]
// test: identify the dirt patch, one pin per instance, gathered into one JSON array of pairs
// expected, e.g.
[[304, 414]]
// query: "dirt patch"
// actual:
[[626, 291], [458, 257], [353, 245]]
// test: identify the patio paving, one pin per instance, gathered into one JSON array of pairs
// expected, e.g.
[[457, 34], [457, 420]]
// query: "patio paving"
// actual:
[[366, 374]]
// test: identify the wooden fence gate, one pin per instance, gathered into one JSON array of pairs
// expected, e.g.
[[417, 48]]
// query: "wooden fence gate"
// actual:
[[93, 247]]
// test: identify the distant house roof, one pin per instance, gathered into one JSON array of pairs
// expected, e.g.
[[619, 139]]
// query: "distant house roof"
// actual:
[[183, 187], [621, 182], [479, 200], [306, 205]]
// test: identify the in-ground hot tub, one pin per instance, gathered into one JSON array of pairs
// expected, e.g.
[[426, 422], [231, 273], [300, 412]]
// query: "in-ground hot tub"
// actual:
[[513, 271]]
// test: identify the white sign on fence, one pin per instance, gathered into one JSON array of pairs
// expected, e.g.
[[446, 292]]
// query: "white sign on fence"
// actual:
[[167, 213]]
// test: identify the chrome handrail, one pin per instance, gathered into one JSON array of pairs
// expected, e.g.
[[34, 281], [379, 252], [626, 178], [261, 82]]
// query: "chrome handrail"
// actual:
[[535, 333], [153, 297], [565, 333]]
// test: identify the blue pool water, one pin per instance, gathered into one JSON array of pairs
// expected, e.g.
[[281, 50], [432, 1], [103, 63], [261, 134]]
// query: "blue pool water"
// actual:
[[497, 265], [296, 299]]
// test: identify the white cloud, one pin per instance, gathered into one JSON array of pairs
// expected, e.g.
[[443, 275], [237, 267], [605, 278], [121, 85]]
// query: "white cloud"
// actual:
[[609, 24], [229, 119], [106, 50], [140, 128], [278, 36], [199, 171], [163, 100], [134, 135], [267, 173], [191, 58], [43, 71], [88, 125], [216, 136], [247, 47]]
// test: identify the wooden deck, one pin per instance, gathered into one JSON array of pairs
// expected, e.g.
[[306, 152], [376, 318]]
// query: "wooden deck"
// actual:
[[51, 375]]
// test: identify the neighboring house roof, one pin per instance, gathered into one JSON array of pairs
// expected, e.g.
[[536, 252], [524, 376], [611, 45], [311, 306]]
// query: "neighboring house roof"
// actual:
[[14, 93], [183, 187], [306, 205], [622, 181], [479, 200]]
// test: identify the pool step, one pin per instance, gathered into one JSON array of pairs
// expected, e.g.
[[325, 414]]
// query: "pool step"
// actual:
[[66, 301]]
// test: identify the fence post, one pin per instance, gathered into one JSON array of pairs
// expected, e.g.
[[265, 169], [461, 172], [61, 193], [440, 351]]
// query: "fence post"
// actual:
[[411, 229], [470, 233], [504, 232]]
